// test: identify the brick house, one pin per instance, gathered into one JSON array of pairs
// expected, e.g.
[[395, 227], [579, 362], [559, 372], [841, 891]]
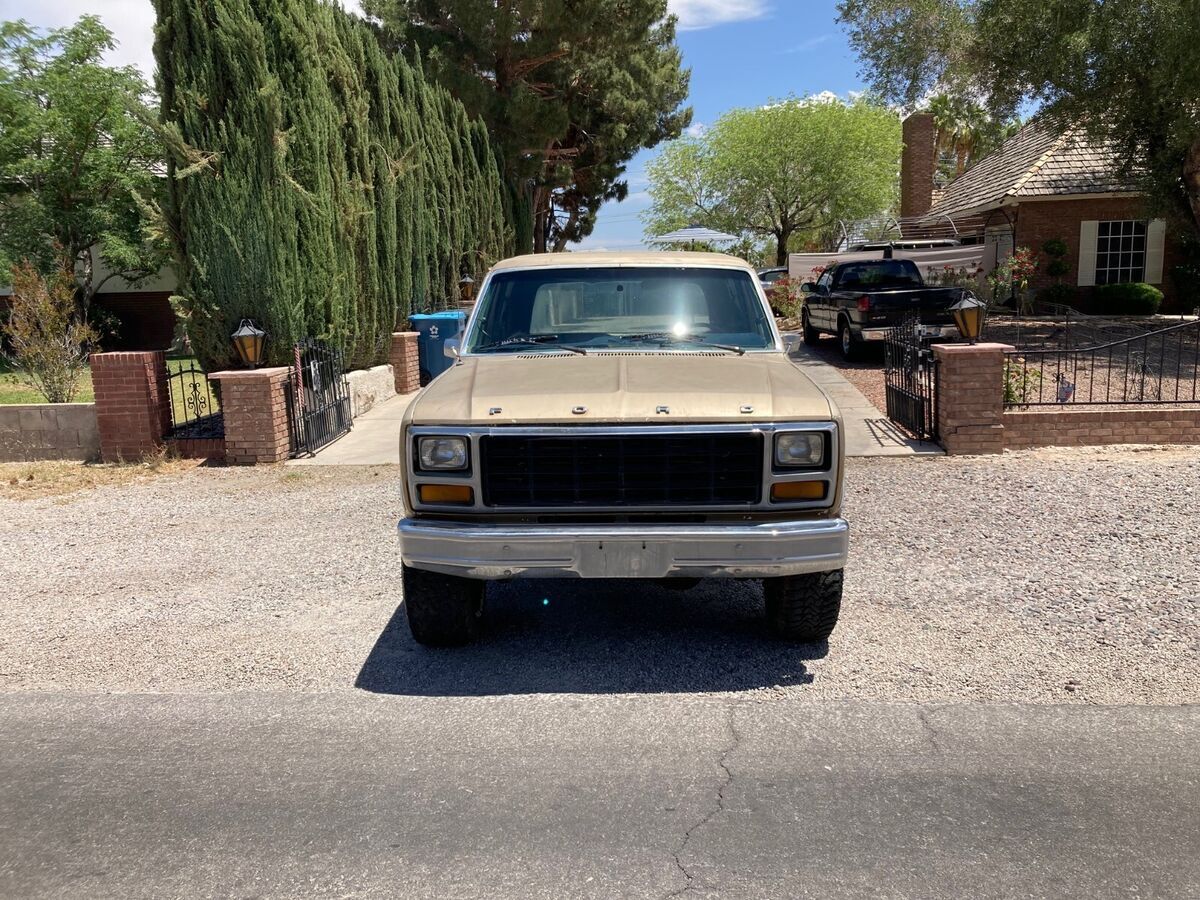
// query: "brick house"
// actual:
[[145, 320], [1042, 184]]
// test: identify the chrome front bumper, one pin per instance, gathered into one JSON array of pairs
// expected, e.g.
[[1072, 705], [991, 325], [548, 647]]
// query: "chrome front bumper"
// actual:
[[742, 550]]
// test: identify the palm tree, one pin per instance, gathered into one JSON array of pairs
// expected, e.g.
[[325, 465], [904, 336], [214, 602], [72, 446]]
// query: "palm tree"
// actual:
[[966, 131]]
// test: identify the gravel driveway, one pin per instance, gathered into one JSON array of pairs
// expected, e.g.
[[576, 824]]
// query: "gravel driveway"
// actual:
[[1046, 576]]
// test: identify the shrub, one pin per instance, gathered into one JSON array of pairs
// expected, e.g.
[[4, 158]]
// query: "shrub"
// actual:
[[1056, 248], [1134, 299], [1057, 268], [48, 341], [1186, 278], [949, 276], [1064, 294], [786, 298]]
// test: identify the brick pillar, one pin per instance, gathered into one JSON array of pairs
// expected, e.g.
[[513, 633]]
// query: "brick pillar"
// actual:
[[406, 361], [255, 406], [132, 403], [971, 397], [918, 163]]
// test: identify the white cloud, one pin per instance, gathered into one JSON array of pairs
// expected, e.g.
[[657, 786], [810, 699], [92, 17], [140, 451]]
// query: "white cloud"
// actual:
[[130, 21], [697, 14], [810, 43], [696, 130]]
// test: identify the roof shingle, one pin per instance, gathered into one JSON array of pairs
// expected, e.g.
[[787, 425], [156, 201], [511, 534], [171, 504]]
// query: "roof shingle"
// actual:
[[1035, 162]]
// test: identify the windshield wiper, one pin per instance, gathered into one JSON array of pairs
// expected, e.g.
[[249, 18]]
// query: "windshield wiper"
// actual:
[[668, 337], [537, 340]]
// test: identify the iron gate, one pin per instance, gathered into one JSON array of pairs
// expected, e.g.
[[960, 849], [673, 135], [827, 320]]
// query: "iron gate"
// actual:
[[195, 408], [911, 375], [318, 397]]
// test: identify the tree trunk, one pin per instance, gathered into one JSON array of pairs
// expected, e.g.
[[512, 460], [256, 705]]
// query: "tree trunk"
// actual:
[[87, 290], [781, 247], [1191, 181], [540, 214]]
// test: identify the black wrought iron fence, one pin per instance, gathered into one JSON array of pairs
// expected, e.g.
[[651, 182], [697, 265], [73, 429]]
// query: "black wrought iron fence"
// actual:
[[318, 397], [910, 374], [194, 403], [1160, 367]]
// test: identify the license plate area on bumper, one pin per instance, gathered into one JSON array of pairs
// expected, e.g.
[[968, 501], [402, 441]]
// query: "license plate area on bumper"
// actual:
[[625, 559]]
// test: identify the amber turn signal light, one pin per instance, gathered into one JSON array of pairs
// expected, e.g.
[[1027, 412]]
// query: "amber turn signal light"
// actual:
[[445, 493], [798, 490]]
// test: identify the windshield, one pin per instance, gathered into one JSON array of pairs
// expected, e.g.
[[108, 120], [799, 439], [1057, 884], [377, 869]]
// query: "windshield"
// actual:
[[626, 308], [886, 273]]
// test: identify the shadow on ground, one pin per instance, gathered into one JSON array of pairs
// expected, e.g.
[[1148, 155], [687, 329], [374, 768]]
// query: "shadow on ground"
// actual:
[[597, 638]]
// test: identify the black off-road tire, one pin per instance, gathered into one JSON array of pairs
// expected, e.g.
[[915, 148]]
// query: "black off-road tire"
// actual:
[[804, 608], [442, 610], [811, 335], [848, 343]]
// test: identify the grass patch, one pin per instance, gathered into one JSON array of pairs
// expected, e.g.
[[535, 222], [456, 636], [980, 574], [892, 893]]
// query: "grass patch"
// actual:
[[51, 478], [15, 386]]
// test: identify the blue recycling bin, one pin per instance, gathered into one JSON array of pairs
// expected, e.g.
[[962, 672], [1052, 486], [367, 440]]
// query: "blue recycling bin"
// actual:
[[435, 329]]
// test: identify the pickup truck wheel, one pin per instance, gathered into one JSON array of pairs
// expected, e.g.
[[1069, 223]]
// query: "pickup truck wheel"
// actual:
[[811, 336], [442, 610], [804, 608], [851, 346]]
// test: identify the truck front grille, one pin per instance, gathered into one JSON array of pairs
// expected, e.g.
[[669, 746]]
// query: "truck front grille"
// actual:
[[613, 470]]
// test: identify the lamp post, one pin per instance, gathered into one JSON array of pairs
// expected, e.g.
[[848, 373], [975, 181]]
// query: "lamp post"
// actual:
[[466, 289], [968, 317], [249, 342]]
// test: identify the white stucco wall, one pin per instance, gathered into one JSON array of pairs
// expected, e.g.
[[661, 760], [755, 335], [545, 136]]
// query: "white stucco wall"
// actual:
[[368, 387]]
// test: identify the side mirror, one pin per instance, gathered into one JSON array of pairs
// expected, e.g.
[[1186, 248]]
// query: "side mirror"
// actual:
[[790, 343], [807, 287], [450, 348]]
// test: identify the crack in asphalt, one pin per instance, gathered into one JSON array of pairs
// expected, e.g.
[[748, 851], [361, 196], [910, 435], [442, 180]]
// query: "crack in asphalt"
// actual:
[[923, 717], [717, 808]]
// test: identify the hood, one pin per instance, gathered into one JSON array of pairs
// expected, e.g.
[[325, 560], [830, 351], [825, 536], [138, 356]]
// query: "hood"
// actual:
[[620, 387]]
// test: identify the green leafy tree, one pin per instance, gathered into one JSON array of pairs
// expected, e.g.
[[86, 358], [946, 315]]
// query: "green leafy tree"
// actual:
[[569, 91], [1124, 69], [781, 173], [319, 184], [80, 165]]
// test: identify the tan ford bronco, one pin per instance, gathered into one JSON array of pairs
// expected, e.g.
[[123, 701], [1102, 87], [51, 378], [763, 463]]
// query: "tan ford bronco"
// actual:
[[628, 415]]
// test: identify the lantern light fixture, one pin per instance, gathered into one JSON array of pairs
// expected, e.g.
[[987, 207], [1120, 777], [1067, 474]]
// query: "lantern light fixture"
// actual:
[[466, 287], [249, 341], [968, 317]]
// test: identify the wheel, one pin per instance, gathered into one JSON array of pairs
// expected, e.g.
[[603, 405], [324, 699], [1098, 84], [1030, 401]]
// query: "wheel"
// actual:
[[442, 610], [804, 608], [851, 346], [811, 335]]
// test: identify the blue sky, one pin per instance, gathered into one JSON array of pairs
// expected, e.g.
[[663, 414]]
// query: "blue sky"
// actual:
[[769, 49], [741, 52]]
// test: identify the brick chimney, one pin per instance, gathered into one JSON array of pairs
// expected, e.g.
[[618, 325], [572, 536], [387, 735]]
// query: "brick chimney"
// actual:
[[917, 164]]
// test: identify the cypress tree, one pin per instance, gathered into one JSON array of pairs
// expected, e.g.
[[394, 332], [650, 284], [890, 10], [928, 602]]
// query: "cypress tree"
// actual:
[[319, 184]]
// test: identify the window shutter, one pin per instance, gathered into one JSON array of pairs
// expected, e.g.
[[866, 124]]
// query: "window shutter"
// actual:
[[1156, 239], [1087, 253]]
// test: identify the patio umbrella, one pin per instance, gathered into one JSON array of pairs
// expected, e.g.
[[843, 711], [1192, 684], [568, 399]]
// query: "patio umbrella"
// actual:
[[692, 234]]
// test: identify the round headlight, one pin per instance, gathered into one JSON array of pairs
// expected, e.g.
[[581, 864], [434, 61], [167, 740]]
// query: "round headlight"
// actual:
[[800, 448], [447, 453]]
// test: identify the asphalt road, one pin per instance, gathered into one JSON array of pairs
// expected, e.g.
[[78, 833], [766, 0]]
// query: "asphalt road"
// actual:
[[362, 795]]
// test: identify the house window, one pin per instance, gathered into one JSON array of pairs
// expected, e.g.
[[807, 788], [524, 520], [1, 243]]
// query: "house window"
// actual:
[[1120, 252]]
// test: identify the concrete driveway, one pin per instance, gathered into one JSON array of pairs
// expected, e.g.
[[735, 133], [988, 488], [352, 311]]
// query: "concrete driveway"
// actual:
[[375, 437]]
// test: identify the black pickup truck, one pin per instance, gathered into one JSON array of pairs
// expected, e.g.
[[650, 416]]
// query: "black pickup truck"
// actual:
[[859, 301]]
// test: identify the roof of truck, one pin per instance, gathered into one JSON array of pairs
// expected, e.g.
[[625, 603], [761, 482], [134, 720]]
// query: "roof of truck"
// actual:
[[641, 258]]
